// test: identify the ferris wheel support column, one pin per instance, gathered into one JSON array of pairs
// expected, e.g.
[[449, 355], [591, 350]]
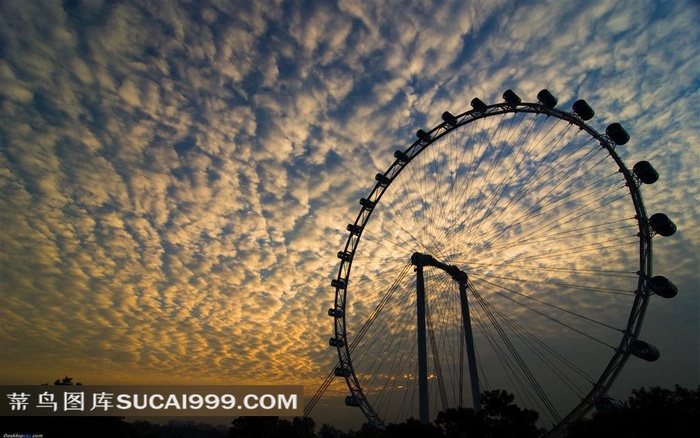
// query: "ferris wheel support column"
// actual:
[[469, 340], [422, 350]]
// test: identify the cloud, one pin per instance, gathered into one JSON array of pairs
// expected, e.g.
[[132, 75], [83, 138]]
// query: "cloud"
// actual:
[[176, 181]]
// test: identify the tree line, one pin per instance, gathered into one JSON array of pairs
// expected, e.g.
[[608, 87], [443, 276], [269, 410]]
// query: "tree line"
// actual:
[[651, 411]]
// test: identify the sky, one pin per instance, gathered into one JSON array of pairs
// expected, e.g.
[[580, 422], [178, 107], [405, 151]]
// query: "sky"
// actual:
[[176, 178]]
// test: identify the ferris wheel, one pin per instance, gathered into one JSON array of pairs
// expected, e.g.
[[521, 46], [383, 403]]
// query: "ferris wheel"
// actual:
[[506, 248]]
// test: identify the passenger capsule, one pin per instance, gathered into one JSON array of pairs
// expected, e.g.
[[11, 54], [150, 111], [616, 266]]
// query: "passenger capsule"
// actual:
[[333, 342], [339, 372], [367, 204], [646, 172], [608, 404], [339, 283], [344, 255], [663, 287], [423, 136], [382, 179], [449, 118], [547, 98], [336, 313], [511, 98], [583, 110], [644, 350], [354, 229], [617, 134], [478, 105], [351, 401], [662, 224], [401, 156]]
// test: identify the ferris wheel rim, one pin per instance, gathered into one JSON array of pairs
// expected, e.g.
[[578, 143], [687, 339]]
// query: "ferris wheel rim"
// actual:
[[403, 159]]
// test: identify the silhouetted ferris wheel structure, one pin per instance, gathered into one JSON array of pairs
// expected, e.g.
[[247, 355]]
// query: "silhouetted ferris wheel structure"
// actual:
[[499, 250]]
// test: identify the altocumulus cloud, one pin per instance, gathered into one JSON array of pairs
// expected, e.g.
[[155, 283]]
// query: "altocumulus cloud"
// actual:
[[176, 179]]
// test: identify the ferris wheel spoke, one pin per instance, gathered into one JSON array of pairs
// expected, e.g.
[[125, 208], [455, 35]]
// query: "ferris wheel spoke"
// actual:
[[503, 358], [393, 243], [567, 250], [543, 352], [417, 224], [551, 351], [458, 231], [563, 286], [537, 206], [515, 356], [541, 209], [581, 195], [575, 215], [380, 362], [562, 237], [540, 301], [527, 185], [465, 189], [508, 181], [386, 298], [568, 269], [401, 354], [533, 207], [541, 313], [491, 145], [436, 358]]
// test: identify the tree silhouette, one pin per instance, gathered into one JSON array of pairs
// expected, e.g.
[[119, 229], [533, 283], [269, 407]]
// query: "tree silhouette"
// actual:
[[367, 431], [272, 427], [648, 412], [499, 418], [255, 427], [461, 423], [328, 431], [66, 381], [411, 428], [505, 419], [303, 427]]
